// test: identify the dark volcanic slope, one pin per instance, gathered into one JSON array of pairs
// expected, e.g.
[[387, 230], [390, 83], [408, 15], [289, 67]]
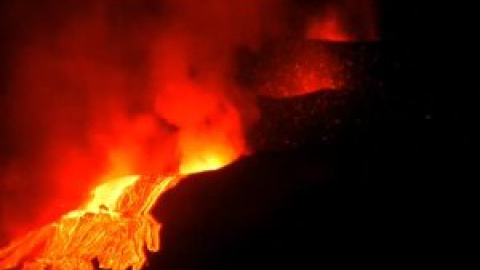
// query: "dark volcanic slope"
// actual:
[[286, 208], [219, 219], [353, 181], [343, 178]]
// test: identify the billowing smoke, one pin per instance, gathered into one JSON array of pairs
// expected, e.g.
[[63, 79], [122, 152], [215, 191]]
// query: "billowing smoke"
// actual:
[[98, 89], [91, 90]]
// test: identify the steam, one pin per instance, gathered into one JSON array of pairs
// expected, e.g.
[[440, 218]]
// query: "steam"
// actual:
[[100, 89], [194, 73]]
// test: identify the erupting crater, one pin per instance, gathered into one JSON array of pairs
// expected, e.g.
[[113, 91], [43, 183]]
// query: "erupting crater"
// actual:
[[125, 88]]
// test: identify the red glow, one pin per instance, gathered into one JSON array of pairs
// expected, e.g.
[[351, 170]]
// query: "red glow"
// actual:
[[102, 90], [328, 28], [304, 68], [344, 21], [99, 91]]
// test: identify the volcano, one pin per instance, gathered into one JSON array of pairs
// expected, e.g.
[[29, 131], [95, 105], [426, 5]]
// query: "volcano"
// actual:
[[304, 145]]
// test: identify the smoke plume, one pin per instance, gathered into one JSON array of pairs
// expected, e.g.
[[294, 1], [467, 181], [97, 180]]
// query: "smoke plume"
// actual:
[[99, 89]]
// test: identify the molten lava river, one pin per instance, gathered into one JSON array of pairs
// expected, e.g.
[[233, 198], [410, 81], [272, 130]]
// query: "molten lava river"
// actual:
[[114, 227], [103, 93]]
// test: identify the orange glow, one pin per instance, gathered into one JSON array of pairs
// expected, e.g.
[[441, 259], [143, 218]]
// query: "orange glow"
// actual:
[[107, 194], [169, 120], [207, 161], [102, 95], [114, 226]]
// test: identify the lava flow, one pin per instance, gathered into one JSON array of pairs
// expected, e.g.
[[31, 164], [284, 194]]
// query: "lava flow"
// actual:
[[114, 227], [107, 90], [141, 93]]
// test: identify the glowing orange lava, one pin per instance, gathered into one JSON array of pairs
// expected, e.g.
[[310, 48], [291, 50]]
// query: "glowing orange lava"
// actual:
[[101, 93], [115, 226]]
